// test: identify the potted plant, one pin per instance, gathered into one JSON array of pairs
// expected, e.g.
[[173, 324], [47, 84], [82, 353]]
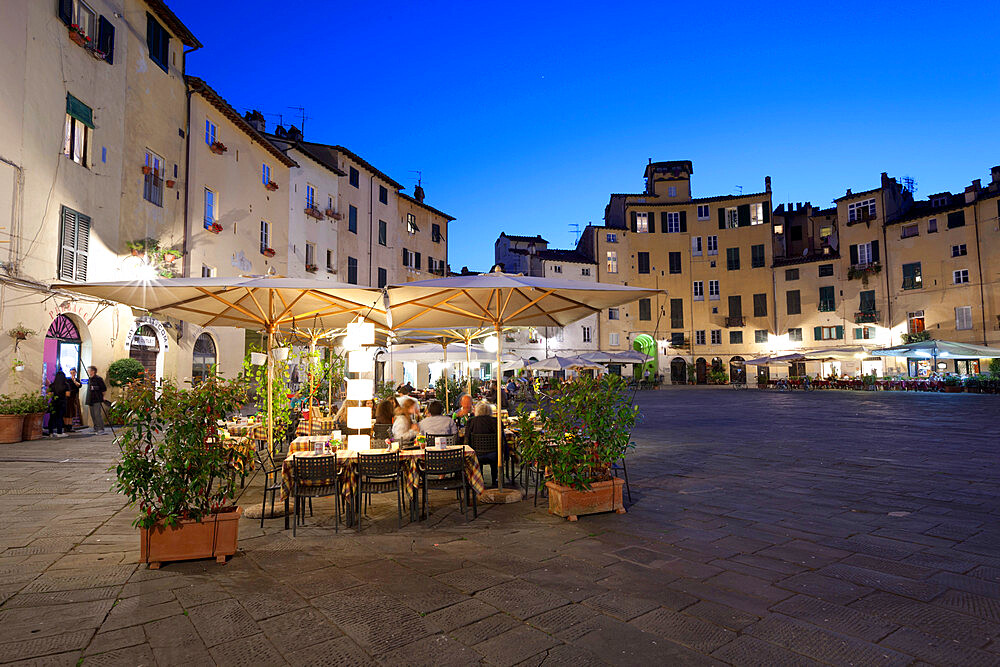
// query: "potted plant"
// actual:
[[215, 228], [137, 248], [717, 377], [122, 372], [170, 183], [218, 147], [952, 384], [178, 472], [33, 407], [584, 431], [17, 365], [77, 35], [147, 170], [11, 419], [311, 268], [330, 212], [271, 185], [267, 252]]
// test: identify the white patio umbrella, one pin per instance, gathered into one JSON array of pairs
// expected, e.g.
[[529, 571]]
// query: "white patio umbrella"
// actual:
[[497, 300], [558, 363], [262, 303], [440, 351], [935, 349]]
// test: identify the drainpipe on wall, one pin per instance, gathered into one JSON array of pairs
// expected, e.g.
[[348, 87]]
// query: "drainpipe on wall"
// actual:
[[187, 160], [371, 213], [979, 262], [885, 252]]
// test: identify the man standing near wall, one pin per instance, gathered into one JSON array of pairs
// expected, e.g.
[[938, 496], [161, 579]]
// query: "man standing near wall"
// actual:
[[95, 399]]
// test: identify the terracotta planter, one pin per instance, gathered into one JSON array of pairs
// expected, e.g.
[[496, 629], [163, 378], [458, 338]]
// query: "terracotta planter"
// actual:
[[952, 389], [32, 428], [272, 186], [11, 427], [147, 170], [77, 38], [215, 536], [570, 503], [171, 183]]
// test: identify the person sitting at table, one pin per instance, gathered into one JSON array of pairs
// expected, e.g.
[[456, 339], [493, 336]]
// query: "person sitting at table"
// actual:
[[404, 429], [404, 389], [484, 423], [340, 419], [436, 422], [464, 412], [385, 413]]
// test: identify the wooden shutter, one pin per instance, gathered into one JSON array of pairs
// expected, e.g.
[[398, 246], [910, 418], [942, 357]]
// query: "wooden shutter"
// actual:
[[722, 218], [82, 246], [854, 254], [632, 218], [106, 39], [663, 222], [839, 331], [735, 306], [792, 302], [684, 221], [651, 222], [406, 257], [818, 333], [67, 244], [956, 219], [858, 333], [875, 255], [677, 313], [416, 260], [66, 11], [743, 215], [760, 305], [767, 212]]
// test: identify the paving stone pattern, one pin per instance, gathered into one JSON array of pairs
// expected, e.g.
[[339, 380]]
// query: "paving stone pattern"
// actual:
[[765, 528]]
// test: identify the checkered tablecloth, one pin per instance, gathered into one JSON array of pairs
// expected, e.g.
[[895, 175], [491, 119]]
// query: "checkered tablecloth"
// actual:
[[320, 425], [347, 467]]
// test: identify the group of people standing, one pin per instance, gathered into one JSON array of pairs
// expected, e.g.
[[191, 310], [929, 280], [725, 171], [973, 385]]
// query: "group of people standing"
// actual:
[[64, 394]]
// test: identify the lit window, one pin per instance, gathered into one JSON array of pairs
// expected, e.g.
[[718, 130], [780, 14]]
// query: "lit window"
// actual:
[[732, 218], [642, 223], [862, 210], [612, 261], [826, 231], [915, 322], [757, 214]]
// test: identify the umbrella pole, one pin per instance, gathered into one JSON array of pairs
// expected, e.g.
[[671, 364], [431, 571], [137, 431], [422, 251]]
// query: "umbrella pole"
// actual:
[[499, 467], [329, 381], [312, 351], [447, 403], [270, 390], [468, 367]]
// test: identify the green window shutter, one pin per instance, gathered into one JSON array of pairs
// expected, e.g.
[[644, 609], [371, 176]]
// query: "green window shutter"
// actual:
[[632, 219], [854, 254], [651, 222], [684, 221], [875, 256], [858, 333], [663, 222], [80, 111], [67, 244], [722, 218], [840, 332], [743, 215], [818, 333]]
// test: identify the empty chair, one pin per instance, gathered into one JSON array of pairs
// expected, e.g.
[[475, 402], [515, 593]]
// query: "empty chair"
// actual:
[[379, 473], [272, 475], [449, 464], [485, 446], [316, 477]]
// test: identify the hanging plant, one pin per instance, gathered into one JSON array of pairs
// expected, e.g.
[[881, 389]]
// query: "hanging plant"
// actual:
[[21, 332], [864, 272]]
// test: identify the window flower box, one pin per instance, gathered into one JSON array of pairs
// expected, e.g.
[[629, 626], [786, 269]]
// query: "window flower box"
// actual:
[[314, 212], [267, 252], [95, 52], [335, 215], [170, 182], [311, 268], [77, 35], [271, 185], [218, 147], [147, 170], [330, 213], [215, 228]]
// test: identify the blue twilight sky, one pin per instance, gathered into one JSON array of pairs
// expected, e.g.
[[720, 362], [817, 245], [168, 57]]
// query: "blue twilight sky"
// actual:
[[524, 117]]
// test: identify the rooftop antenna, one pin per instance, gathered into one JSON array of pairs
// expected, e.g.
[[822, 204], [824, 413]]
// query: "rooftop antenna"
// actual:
[[909, 184], [419, 174], [303, 117], [575, 231], [739, 189]]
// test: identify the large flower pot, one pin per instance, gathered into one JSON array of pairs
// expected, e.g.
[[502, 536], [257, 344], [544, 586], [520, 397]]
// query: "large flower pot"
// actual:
[[215, 536], [32, 428], [952, 389], [11, 427], [570, 503]]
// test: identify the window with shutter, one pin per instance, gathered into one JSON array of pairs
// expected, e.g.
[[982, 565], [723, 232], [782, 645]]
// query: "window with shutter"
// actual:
[[911, 276], [643, 260], [956, 219], [383, 232], [760, 305], [793, 302], [743, 215], [406, 257], [158, 41], [352, 270], [352, 219], [827, 300], [868, 301], [674, 258], [645, 309], [733, 259], [757, 256], [106, 39], [735, 306], [383, 277], [963, 317], [74, 245], [416, 261], [684, 222], [677, 313]]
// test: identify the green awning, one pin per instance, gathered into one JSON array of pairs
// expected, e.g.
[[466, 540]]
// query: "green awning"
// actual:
[[80, 111]]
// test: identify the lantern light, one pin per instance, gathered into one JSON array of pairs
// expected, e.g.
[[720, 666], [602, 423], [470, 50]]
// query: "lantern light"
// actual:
[[491, 343], [362, 332], [360, 390], [359, 442], [360, 361], [359, 418]]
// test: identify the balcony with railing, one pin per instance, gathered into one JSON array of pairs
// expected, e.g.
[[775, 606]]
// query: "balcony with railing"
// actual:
[[827, 306], [866, 317], [312, 211], [735, 321]]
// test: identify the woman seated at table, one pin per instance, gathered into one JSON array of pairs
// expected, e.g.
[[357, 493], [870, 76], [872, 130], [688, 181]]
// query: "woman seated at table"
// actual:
[[484, 423], [436, 422], [404, 428], [385, 413]]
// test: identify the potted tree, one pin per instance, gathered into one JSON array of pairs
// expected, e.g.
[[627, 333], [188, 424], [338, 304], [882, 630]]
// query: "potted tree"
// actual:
[[11, 419], [584, 431], [33, 407], [178, 472]]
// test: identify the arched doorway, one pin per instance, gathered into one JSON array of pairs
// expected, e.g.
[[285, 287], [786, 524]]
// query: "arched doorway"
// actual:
[[203, 358], [678, 371], [716, 364], [701, 370], [737, 370], [144, 347], [763, 374], [62, 348]]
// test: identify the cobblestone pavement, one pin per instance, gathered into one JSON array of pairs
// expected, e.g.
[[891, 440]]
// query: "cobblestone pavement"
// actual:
[[829, 527]]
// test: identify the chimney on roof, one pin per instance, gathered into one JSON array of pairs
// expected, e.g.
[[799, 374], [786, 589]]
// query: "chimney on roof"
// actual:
[[294, 133], [418, 193], [849, 193], [279, 131], [767, 184], [256, 120], [995, 174], [971, 191]]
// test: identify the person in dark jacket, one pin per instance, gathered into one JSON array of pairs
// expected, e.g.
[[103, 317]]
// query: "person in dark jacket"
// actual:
[[485, 423], [74, 415], [95, 399], [60, 392]]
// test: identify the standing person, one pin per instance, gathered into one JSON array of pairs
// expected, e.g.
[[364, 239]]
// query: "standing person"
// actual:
[[95, 399], [73, 413], [60, 391]]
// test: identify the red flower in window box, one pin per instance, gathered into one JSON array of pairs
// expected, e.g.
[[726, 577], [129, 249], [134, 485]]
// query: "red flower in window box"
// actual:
[[271, 185], [267, 252], [171, 182], [215, 228], [311, 268], [218, 147], [77, 35], [147, 170]]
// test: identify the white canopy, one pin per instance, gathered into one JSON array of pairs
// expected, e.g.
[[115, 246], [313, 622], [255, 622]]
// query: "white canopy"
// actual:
[[558, 363]]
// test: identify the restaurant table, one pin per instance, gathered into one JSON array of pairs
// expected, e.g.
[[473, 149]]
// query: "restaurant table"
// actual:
[[238, 429], [347, 467], [325, 424]]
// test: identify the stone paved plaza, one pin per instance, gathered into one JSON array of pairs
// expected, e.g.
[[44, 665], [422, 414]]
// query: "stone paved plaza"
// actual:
[[822, 528]]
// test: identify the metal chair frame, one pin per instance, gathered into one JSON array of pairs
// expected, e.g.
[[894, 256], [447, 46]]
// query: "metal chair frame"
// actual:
[[449, 462], [379, 473], [316, 469]]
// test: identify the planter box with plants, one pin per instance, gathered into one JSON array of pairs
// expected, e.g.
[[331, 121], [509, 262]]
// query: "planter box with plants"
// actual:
[[218, 147], [177, 471], [267, 252], [314, 212], [581, 433], [271, 185], [21, 417]]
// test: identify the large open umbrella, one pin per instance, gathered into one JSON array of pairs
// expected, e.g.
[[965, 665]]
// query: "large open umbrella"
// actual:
[[497, 300], [934, 349], [557, 363], [440, 350], [627, 357], [264, 303]]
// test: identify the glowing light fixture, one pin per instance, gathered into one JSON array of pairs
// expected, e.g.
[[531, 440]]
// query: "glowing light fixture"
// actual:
[[360, 361], [362, 332], [360, 390], [357, 443], [491, 343], [359, 418]]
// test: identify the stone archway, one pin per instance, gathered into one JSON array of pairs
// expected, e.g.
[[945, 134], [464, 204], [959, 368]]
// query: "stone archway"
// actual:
[[737, 370], [701, 370], [678, 371]]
